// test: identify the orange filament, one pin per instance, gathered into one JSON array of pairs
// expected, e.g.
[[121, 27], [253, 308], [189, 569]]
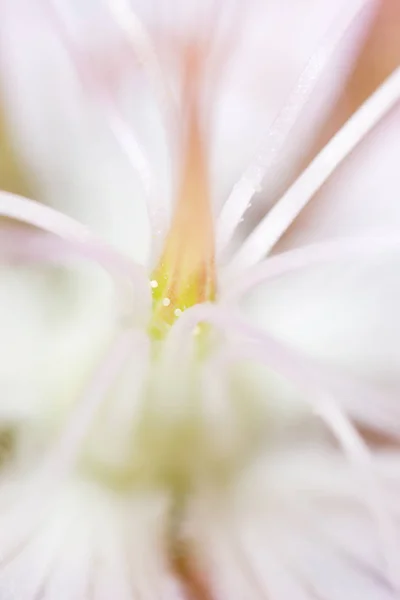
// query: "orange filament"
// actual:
[[185, 274]]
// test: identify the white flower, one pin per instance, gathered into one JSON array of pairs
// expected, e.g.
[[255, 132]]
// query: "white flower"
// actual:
[[169, 430]]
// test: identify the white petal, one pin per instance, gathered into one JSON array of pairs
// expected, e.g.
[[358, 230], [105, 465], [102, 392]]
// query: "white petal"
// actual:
[[344, 315], [93, 544], [63, 136], [361, 196], [297, 526], [53, 327], [300, 114]]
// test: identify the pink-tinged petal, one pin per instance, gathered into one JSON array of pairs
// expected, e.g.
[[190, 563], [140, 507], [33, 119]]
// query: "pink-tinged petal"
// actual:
[[72, 570], [144, 51], [320, 395], [23, 574], [61, 133], [102, 86], [72, 235], [360, 195], [344, 315], [93, 542], [296, 523], [46, 475], [334, 54], [343, 311], [47, 324], [325, 300], [368, 404], [275, 224], [380, 56], [342, 250], [271, 53], [62, 459]]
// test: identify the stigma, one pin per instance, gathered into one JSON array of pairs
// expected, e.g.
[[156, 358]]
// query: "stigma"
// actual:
[[185, 274]]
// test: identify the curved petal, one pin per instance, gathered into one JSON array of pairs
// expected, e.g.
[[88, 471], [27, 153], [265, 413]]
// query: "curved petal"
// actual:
[[93, 544], [62, 135], [53, 325], [295, 527], [319, 83], [360, 195], [348, 313], [345, 315]]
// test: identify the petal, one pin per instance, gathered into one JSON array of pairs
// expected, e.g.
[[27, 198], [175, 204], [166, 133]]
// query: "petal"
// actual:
[[63, 312], [361, 194], [343, 315], [295, 525], [336, 38], [63, 136], [53, 325], [92, 544]]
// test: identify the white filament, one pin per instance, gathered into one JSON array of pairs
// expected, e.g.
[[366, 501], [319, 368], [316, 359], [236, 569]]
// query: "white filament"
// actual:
[[80, 238], [141, 42], [121, 130], [308, 256], [136, 156], [268, 154], [281, 216], [143, 47], [376, 409]]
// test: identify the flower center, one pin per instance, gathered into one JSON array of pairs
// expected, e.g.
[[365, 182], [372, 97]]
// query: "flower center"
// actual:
[[185, 274]]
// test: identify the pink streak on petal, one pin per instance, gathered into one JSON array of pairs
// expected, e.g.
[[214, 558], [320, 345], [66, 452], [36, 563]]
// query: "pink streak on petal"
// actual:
[[308, 256]]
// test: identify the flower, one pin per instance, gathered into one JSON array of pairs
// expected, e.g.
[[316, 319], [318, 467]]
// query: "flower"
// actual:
[[160, 438]]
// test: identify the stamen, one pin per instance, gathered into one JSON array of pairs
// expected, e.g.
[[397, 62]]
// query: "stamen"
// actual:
[[308, 256], [186, 271], [79, 239], [281, 216], [270, 151]]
